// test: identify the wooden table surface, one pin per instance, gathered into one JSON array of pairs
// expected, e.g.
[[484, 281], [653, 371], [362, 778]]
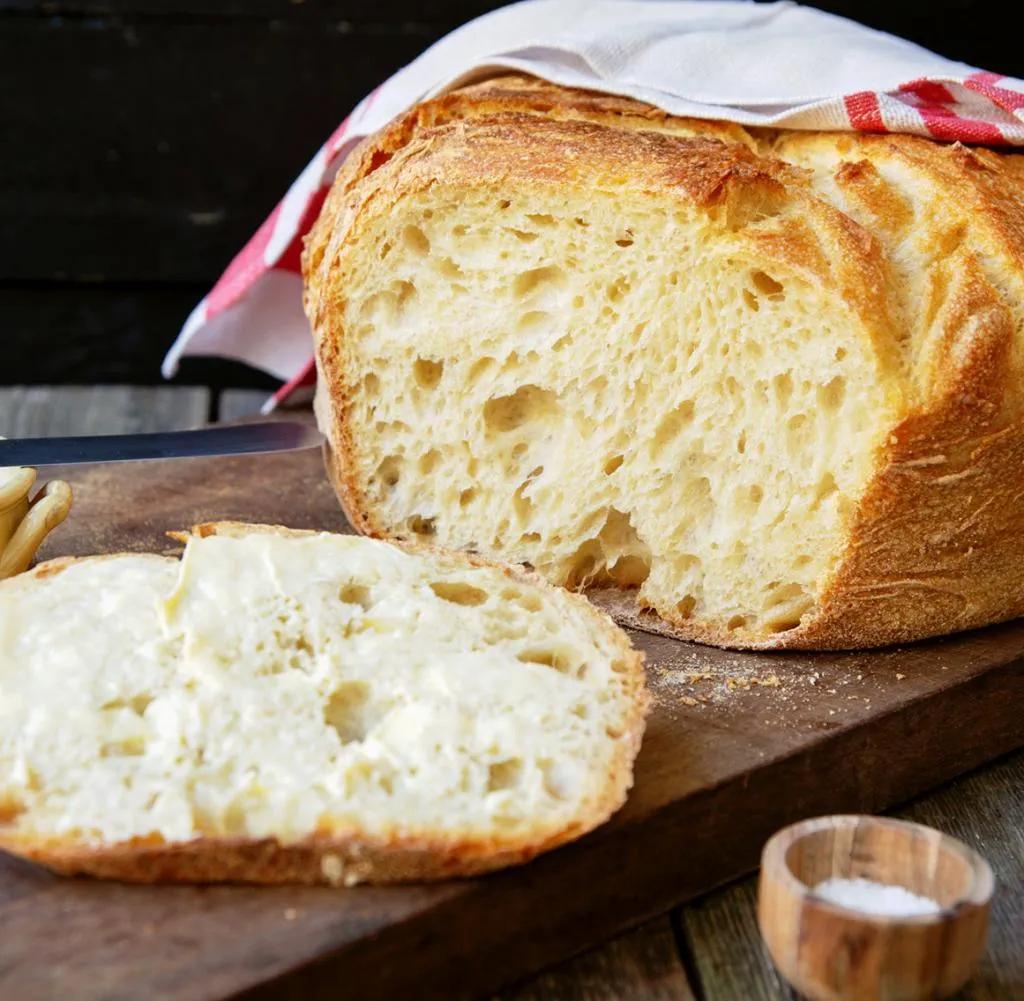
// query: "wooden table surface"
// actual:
[[708, 949]]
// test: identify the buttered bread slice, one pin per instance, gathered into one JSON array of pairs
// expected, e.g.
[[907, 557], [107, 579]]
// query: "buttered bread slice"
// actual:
[[294, 706]]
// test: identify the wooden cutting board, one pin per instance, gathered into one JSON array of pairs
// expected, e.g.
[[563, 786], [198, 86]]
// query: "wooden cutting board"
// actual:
[[736, 746]]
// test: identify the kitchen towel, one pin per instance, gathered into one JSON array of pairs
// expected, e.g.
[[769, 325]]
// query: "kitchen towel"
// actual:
[[770, 64]]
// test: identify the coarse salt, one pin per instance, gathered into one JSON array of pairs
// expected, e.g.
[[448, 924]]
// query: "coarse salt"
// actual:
[[875, 898]]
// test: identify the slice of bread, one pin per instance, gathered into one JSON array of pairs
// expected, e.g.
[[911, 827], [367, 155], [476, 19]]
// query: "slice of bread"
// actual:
[[287, 706], [777, 401]]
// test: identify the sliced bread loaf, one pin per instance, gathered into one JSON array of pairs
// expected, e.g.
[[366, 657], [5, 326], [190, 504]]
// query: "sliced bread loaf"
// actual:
[[284, 706], [780, 405]]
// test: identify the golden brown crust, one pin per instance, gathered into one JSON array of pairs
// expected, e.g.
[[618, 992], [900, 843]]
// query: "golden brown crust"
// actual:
[[936, 543], [341, 856]]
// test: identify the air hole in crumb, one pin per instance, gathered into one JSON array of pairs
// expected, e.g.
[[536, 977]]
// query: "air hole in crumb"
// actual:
[[404, 292], [536, 279], [427, 372], [505, 413], [479, 368], [825, 488], [458, 592], [466, 497], [523, 235], [525, 599], [428, 461], [416, 240], [521, 504], [751, 300], [737, 622], [132, 747], [584, 564], [612, 464], [389, 471], [356, 594], [673, 423], [546, 656], [504, 774], [137, 703], [767, 286], [618, 289], [630, 571], [533, 320], [371, 384], [422, 526], [685, 607], [345, 711], [830, 396], [783, 385]]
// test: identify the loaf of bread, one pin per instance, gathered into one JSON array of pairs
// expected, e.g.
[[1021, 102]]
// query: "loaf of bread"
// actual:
[[299, 707], [770, 384]]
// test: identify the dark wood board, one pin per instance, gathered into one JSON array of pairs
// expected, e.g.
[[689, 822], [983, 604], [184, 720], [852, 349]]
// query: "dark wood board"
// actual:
[[777, 737]]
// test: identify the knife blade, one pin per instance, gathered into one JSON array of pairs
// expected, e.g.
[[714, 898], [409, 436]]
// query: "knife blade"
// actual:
[[235, 439]]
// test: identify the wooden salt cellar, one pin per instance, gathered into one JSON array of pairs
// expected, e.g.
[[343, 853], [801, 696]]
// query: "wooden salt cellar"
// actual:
[[832, 953]]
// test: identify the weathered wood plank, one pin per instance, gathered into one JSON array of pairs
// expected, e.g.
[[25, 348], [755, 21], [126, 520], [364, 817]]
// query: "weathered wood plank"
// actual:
[[104, 334], [641, 965], [235, 404], [985, 810], [29, 412], [720, 934], [185, 135]]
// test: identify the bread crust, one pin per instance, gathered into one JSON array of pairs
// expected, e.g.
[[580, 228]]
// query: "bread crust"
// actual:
[[343, 856], [935, 543]]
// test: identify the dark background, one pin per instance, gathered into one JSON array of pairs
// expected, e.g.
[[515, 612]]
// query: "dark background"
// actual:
[[145, 141]]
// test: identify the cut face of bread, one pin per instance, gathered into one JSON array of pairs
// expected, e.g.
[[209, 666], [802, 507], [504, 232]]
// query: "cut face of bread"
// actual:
[[299, 706], [610, 386], [674, 366]]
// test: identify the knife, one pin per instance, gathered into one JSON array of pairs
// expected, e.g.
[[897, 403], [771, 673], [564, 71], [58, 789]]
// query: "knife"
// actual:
[[236, 439]]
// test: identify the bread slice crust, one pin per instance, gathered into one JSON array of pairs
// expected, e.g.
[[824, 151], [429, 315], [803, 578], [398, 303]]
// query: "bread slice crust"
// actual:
[[935, 543], [343, 855]]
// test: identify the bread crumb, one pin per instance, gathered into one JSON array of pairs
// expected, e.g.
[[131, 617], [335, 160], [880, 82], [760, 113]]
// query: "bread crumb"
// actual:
[[688, 700], [290, 914], [900, 677]]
